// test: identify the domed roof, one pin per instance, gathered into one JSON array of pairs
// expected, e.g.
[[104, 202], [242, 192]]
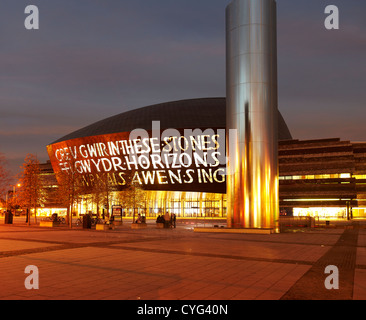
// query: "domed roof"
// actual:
[[195, 113]]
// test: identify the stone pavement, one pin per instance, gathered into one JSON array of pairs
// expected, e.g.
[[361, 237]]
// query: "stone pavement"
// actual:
[[179, 264]]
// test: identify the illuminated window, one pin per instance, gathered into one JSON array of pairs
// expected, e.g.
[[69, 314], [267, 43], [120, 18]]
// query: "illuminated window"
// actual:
[[345, 175], [322, 213], [360, 176]]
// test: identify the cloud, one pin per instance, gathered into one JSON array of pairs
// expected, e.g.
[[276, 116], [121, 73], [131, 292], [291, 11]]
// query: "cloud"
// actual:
[[93, 59]]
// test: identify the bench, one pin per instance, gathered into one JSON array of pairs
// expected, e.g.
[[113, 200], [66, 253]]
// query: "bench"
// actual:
[[104, 227], [47, 223], [138, 226]]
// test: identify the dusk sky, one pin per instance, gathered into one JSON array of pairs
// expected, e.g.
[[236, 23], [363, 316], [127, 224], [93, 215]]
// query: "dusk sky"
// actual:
[[92, 59]]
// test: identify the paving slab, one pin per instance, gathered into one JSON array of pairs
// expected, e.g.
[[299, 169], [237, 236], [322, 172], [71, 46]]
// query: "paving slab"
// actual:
[[153, 264]]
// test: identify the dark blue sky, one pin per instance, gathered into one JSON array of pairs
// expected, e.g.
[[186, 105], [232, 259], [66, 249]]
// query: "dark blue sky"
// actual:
[[92, 59]]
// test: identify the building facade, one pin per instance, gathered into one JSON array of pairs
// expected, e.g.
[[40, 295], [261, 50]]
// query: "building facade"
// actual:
[[323, 178], [174, 152]]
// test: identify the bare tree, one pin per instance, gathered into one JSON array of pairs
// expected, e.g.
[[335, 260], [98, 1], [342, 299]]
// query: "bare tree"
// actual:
[[133, 196], [31, 193], [4, 175], [68, 191], [101, 189]]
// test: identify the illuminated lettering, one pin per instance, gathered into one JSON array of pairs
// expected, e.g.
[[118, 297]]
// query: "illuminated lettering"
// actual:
[[131, 160], [84, 166], [175, 159], [175, 177], [171, 161], [117, 164], [92, 150], [199, 160], [155, 146], [168, 147], [185, 160], [59, 155], [205, 142], [189, 174], [83, 151], [122, 181], [113, 148], [136, 178], [145, 143], [107, 165], [111, 179], [144, 162], [102, 148], [209, 176], [214, 158], [195, 142], [129, 147], [85, 181], [148, 177], [161, 176], [216, 142], [73, 152], [137, 145], [96, 164], [184, 146], [156, 160], [174, 141], [65, 166], [221, 173]]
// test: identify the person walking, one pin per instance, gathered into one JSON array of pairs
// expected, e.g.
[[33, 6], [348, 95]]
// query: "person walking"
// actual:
[[167, 219], [175, 220]]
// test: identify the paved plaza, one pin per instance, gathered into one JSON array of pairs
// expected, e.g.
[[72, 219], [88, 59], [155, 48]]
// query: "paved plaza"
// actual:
[[180, 264]]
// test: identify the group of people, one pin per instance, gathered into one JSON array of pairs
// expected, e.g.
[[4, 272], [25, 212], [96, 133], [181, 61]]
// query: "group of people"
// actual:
[[140, 219], [169, 220]]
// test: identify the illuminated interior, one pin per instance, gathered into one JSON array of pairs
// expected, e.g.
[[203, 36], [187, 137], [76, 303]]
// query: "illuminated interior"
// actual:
[[321, 213], [154, 203], [322, 176]]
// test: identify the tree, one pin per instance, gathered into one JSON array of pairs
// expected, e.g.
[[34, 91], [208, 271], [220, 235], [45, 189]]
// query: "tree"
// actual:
[[31, 193], [133, 196], [101, 189], [4, 175], [68, 191]]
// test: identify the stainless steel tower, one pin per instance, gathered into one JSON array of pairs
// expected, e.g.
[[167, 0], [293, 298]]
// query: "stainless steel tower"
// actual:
[[252, 186]]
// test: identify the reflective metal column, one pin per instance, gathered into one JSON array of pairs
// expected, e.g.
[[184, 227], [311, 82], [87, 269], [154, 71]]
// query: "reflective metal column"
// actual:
[[252, 184]]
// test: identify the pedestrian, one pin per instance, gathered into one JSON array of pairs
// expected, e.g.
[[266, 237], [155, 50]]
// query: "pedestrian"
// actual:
[[167, 219], [139, 219], [173, 219], [111, 219]]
